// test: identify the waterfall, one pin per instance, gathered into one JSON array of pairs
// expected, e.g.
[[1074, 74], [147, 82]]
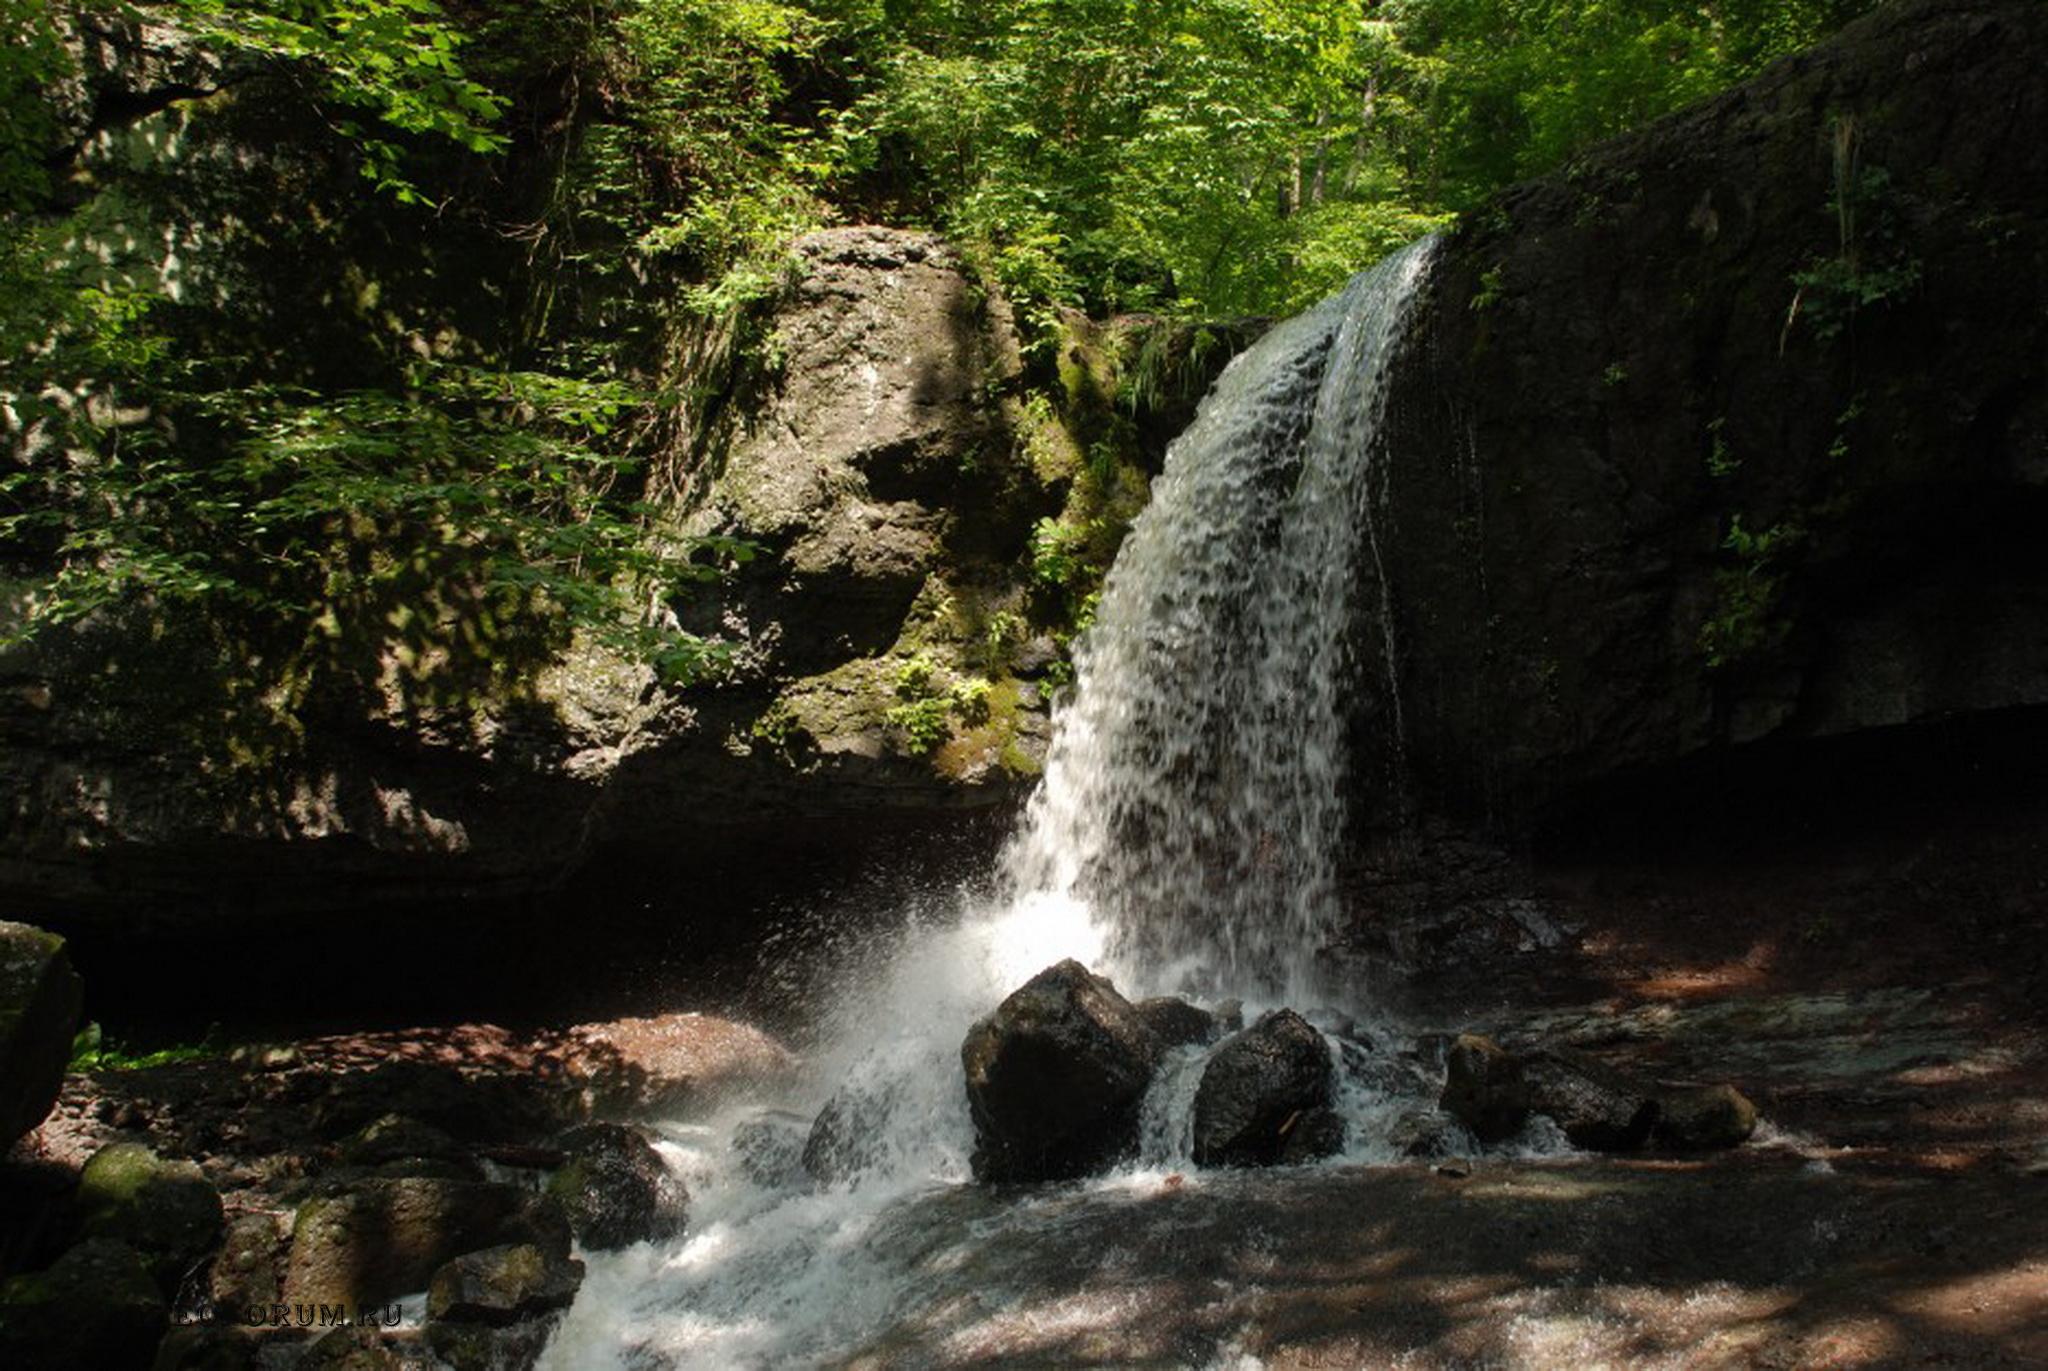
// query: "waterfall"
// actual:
[[1183, 839], [1193, 796]]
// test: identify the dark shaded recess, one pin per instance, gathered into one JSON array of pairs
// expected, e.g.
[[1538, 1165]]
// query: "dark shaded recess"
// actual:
[[1779, 796], [740, 921]]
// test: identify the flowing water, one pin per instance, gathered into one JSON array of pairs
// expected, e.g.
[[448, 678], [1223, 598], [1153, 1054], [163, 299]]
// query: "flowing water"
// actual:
[[1182, 841]]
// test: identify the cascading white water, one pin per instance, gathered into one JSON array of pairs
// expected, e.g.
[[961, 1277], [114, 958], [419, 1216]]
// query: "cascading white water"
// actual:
[[1193, 796], [1182, 840]]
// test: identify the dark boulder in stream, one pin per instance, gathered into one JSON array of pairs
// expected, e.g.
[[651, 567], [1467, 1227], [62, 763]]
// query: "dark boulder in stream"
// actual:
[[1265, 1097], [616, 1188], [1055, 1077]]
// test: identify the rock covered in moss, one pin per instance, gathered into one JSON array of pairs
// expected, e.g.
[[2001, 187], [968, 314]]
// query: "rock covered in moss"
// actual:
[[502, 1285], [166, 1210], [616, 1188], [1704, 1118], [379, 1239], [40, 997], [97, 1306], [1055, 1078], [1260, 1089]]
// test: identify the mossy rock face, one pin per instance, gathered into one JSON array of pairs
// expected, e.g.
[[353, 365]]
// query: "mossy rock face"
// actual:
[[380, 1239], [166, 1210], [502, 1285], [98, 1306], [40, 997]]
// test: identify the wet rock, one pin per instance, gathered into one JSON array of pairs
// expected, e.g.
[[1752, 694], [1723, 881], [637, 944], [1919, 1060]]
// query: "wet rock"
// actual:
[[380, 1239], [1178, 1023], [248, 1272], [1430, 1133], [483, 1347], [39, 1002], [396, 1142], [1055, 1077], [846, 1137], [616, 1189], [168, 1211], [1484, 1089], [1599, 1109], [669, 1064], [771, 1149], [1704, 1118], [208, 1347], [502, 1285], [1256, 1090], [1311, 1136], [97, 1306], [351, 1349]]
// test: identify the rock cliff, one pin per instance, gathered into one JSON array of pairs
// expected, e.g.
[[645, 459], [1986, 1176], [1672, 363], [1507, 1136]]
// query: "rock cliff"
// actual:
[[1736, 429]]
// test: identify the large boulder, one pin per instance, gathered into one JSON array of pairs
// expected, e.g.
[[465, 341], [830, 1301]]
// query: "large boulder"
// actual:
[[616, 1189], [1599, 1109], [39, 1002], [1055, 1078], [166, 1210], [1484, 1088], [1266, 1088], [97, 1306], [1735, 429]]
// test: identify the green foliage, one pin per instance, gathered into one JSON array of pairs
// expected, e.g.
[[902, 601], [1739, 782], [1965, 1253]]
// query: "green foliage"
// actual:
[[1721, 463], [925, 718], [395, 63], [1058, 554], [1741, 624], [92, 1050], [1868, 266], [441, 526], [451, 530]]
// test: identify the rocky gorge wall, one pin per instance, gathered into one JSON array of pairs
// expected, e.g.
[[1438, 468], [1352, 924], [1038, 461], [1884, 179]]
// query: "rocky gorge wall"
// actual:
[[1735, 430]]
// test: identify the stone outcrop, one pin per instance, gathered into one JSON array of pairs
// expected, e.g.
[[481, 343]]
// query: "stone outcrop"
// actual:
[[881, 476], [1055, 1077], [1735, 429], [40, 997]]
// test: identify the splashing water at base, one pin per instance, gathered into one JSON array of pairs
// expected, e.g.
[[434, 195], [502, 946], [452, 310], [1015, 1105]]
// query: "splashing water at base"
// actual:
[[1182, 841]]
